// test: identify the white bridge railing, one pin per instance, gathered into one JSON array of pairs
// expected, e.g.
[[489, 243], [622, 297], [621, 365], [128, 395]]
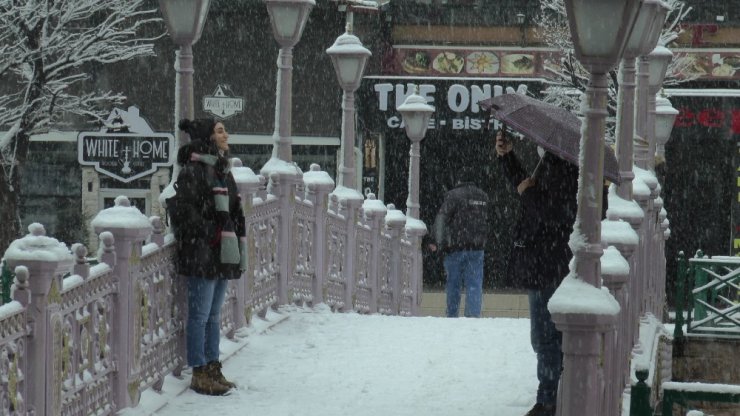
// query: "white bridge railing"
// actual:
[[80, 339]]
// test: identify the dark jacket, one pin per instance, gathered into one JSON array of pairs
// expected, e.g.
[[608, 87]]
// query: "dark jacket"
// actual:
[[462, 221], [540, 253], [193, 215]]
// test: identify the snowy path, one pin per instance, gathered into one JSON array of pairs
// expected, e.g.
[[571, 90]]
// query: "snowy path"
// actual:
[[316, 362]]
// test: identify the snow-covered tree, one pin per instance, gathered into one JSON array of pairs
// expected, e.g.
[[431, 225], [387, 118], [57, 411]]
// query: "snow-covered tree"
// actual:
[[568, 79], [47, 51]]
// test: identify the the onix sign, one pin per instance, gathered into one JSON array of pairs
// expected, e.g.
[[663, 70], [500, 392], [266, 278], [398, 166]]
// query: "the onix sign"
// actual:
[[125, 156]]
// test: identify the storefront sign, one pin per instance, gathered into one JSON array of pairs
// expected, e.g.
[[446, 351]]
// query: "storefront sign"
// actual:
[[223, 103], [126, 148], [456, 107]]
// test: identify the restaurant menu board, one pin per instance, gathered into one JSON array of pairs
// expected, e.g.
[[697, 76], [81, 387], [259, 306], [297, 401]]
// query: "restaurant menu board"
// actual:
[[466, 63], [533, 63]]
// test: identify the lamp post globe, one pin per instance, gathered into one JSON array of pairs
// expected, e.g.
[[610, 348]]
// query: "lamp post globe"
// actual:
[[600, 30], [287, 19], [184, 19], [660, 58], [416, 114], [349, 58], [665, 116]]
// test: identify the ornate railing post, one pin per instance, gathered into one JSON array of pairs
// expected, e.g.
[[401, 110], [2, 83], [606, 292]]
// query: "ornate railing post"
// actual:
[[682, 268], [394, 223], [46, 261], [282, 186], [248, 184], [318, 185], [374, 213], [129, 228], [350, 203]]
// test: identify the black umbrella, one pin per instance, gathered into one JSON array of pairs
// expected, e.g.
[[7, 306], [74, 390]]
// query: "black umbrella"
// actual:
[[553, 128]]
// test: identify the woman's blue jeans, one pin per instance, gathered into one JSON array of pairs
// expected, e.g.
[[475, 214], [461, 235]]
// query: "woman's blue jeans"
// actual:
[[467, 267], [203, 331], [547, 344]]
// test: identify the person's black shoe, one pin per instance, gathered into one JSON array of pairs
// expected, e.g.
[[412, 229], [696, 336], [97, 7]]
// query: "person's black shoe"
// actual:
[[541, 409]]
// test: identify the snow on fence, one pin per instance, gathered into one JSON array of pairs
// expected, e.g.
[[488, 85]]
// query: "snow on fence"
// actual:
[[79, 339]]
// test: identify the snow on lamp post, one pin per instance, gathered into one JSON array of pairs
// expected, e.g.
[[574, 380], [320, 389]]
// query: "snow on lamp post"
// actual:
[[287, 19], [349, 58], [642, 40], [580, 309], [660, 58], [416, 113], [665, 116], [185, 20]]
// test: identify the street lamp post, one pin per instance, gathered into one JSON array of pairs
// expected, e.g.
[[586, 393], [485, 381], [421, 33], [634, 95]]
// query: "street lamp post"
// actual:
[[185, 20], [642, 40], [349, 58], [600, 30], [287, 19], [416, 113]]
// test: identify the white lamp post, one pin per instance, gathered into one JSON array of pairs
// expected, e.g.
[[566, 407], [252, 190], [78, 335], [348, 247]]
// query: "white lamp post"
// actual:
[[665, 116], [185, 20], [349, 58], [600, 30], [642, 40], [416, 113], [287, 19]]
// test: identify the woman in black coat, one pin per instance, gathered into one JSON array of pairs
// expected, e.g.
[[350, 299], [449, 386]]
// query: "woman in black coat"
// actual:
[[209, 227]]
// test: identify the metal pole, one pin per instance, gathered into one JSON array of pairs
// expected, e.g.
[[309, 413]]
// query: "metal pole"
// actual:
[[626, 126], [591, 178], [184, 107], [412, 201], [643, 85], [283, 110], [347, 164]]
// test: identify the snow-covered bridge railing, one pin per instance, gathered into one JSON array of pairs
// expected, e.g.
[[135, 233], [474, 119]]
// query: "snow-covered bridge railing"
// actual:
[[80, 339]]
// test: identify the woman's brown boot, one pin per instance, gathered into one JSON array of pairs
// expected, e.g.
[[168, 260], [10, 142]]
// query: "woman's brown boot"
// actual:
[[203, 383], [214, 369]]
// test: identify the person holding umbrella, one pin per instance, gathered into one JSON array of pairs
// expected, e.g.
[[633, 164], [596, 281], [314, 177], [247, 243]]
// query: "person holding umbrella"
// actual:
[[540, 254]]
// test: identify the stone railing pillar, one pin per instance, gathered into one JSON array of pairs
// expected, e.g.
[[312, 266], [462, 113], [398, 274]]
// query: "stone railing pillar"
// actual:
[[282, 186], [350, 208], [129, 228], [394, 223], [318, 185], [582, 382], [615, 273], [248, 185], [374, 214], [45, 260], [415, 230]]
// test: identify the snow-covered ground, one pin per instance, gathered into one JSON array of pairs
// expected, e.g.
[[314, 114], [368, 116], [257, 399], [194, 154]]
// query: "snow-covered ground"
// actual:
[[311, 361]]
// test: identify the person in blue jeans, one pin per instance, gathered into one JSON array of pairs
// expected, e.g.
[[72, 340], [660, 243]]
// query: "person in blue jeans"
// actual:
[[460, 232], [209, 226]]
